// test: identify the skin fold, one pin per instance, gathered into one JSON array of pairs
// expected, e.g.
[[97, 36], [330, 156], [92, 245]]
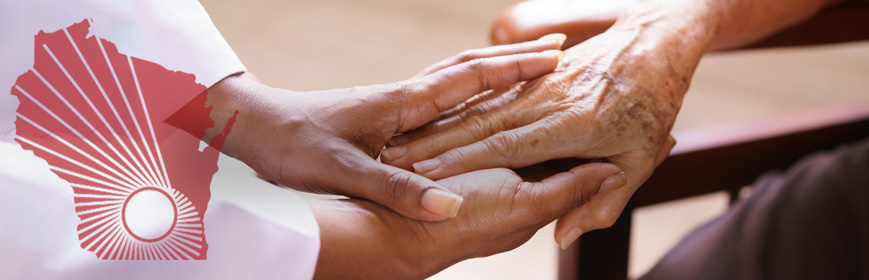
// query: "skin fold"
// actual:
[[615, 97]]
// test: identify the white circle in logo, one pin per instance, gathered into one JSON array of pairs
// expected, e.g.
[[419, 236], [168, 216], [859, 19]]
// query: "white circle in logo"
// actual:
[[149, 214]]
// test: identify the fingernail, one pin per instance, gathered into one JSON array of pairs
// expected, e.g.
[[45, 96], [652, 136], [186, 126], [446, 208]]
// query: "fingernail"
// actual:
[[426, 165], [672, 140], [570, 237], [556, 53], [614, 181], [393, 153], [557, 37], [442, 203]]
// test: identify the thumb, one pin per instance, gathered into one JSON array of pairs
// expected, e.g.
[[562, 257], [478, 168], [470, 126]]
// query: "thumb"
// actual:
[[568, 190], [406, 193]]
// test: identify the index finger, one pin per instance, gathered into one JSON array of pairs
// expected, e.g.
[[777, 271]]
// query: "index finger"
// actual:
[[450, 86]]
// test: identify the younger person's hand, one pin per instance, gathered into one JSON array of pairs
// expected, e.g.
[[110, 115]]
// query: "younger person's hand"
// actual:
[[328, 141], [363, 240]]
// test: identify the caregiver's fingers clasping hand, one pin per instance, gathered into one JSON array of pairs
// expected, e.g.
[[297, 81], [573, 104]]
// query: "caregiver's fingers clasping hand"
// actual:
[[501, 212], [328, 141]]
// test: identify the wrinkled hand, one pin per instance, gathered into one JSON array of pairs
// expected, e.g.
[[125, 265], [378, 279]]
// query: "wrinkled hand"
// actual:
[[328, 141], [615, 97], [500, 213]]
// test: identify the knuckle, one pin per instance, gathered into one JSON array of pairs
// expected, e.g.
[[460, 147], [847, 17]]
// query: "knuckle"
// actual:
[[478, 127], [504, 145], [467, 55], [429, 146], [580, 196], [606, 218], [395, 185], [509, 141]]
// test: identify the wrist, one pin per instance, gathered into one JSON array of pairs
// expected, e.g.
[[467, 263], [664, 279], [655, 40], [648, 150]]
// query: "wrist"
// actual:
[[678, 24], [243, 94], [360, 239]]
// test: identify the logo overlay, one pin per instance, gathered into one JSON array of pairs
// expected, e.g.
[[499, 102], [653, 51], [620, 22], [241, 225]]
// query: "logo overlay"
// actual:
[[99, 118]]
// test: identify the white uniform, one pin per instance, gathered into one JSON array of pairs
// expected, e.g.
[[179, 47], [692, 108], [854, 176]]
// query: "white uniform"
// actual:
[[254, 230]]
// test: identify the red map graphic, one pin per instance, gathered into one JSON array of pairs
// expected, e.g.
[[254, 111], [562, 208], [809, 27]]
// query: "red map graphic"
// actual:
[[98, 117]]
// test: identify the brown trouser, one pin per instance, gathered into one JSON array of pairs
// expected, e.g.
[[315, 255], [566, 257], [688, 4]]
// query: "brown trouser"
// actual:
[[811, 222]]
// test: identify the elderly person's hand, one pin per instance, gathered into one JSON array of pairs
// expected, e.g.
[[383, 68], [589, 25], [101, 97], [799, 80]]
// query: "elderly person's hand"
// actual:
[[363, 240], [614, 97], [328, 141]]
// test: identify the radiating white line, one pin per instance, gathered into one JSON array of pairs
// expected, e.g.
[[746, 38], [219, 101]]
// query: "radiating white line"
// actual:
[[104, 239], [171, 250], [156, 249], [94, 217], [91, 104], [180, 199], [190, 231], [197, 225], [188, 220], [146, 252], [140, 251], [178, 250], [159, 250], [70, 145], [95, 203], [142, 178], [81, 176], [113, 243], [97, 210], [99, 196], [128, 248], [70, 160], [185, 205], [50, 112], [166, 250], [163, 253], [185, 215], [184, 246], [164, 175], [150, 170], [97, 189], [105, 224], [180, 237], [151, 253], [134, 250], [174, 250], [197, 238], [123, 250], [187, 210], [143, 250]]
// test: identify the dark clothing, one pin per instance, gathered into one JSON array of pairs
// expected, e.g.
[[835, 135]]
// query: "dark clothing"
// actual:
[[811, 222]]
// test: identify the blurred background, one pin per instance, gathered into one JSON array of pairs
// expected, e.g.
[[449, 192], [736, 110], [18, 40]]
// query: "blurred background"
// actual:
[[322, 44]]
